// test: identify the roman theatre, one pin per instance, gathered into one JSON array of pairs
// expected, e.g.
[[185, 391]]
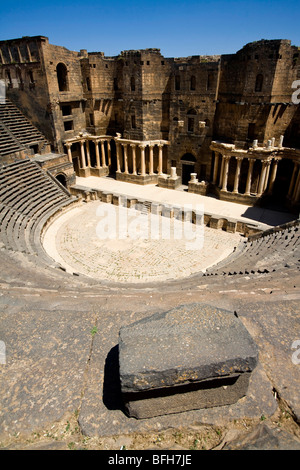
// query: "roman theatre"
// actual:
[[149, 243]]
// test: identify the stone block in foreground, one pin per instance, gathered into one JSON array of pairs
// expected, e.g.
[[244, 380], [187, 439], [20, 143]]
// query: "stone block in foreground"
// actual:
[[191, 357]]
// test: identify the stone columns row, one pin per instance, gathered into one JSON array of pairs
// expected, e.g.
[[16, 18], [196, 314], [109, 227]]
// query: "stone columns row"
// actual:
[[264, 179], [85, 160], [124, 157]]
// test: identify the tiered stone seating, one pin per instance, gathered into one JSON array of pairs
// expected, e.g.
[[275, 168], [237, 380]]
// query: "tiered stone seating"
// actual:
[[28, 198], [8, 145], [15, 127], [272, 251]]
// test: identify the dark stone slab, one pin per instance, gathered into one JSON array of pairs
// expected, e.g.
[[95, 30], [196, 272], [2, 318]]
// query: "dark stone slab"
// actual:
[[191, 357]]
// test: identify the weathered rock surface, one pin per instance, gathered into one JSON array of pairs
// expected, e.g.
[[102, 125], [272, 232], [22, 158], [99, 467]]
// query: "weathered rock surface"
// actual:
[[194, 356]]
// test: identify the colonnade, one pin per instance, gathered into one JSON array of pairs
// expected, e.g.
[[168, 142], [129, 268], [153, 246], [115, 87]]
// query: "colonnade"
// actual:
[[146, 161], [266, 177], [102, 161]]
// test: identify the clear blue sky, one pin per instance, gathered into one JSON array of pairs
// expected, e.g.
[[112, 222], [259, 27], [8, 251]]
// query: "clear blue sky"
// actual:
[[179, 27]]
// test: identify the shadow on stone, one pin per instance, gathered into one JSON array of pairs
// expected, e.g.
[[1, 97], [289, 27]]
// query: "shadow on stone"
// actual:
[[112, 397]]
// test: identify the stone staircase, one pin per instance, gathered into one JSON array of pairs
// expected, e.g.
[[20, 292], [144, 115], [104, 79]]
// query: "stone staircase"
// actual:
[[28, 198], [8, 145], [16, 131], [272, 251]]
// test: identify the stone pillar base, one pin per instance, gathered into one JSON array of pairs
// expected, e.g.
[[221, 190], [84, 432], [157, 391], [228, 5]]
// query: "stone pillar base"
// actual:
[[136, 179], [198, 187], [166, 181], [99, 171]]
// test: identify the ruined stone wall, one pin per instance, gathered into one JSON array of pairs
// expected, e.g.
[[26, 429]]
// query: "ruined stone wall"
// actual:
[[255, 93], [192, 103], [144, 78], [144, 96], [66, 105], [21, 66]]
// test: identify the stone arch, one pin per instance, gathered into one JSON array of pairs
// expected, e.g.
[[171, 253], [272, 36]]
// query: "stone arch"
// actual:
[[62, 179], [188, 157], [62, 77]]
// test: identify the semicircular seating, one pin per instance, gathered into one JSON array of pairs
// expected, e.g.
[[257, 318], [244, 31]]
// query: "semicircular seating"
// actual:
[[270, 251], [28, 198]]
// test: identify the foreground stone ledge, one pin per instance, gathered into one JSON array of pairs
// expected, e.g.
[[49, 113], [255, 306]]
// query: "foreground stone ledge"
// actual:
[[191, 357]]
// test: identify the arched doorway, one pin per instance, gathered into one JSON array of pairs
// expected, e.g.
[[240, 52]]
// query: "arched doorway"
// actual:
[[62, 179], [62, 77], [188, 161]]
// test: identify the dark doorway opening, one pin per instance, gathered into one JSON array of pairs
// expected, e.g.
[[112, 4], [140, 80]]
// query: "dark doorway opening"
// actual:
[[283, 180], [186, 173], [188, 167], [62, 179]]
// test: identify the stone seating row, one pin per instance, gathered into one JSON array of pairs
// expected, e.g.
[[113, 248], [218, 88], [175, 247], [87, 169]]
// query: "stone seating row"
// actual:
[[268, 253], [18, 125], [8, 144], [28, 197]]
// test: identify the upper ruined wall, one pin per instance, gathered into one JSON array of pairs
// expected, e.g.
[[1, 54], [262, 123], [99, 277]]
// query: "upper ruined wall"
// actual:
[[144, 95]]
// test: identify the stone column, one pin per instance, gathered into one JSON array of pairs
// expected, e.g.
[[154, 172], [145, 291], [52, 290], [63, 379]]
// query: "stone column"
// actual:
[[87, 143], [215, 168], [273, 175], [151, 159], [109, 152], [133, 146], [262, 177], [249, 177], [118, 149], [221, 172], [125, 159], [267, 176], [97, 154], [68, 145], [83, 162], [225, 172], [160, 159], [291, 188], [103, 153], [143, 166], [237, 174], [280, 144]]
